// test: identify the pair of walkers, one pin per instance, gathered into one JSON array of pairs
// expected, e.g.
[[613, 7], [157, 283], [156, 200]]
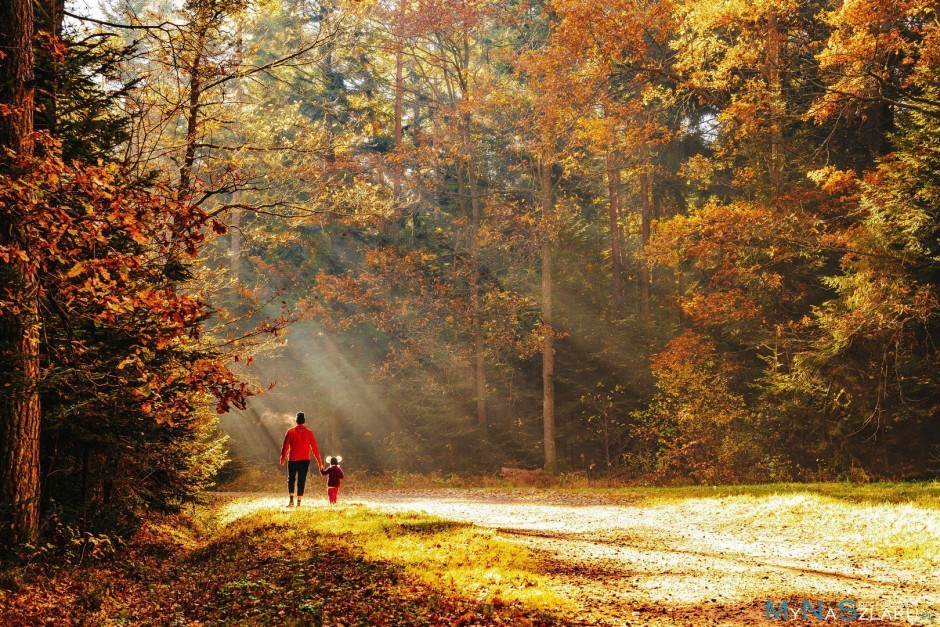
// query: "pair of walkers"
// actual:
[[299, 445]]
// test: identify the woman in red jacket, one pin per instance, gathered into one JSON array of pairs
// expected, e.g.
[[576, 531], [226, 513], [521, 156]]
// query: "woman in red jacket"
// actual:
[[299, 443]]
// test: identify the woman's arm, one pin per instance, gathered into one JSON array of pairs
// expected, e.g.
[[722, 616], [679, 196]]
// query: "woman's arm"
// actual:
[[285, 448]]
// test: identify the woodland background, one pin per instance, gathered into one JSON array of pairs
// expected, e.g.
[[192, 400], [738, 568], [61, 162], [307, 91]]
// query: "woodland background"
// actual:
[[665, 240]]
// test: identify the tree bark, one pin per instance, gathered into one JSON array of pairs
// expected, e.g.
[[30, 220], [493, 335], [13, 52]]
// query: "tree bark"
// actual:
[[399, 94], [236, 244], [646, 219], [547, 193], [390, 227], [192, 115], [20, 324], [479, 358], [616, 258], [773, 83]]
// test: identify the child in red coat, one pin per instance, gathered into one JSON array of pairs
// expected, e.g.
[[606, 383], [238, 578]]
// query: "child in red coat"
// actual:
[[336, 476]]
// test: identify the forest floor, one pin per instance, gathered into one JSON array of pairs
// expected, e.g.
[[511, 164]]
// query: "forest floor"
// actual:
[[636, 556]]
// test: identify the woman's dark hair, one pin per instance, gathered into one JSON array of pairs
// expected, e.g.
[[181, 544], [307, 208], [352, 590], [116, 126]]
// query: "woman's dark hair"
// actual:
[[334, 461], [300, 418]]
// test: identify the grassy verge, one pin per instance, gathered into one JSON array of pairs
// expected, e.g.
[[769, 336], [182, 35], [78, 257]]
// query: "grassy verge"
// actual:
[[921, 494], [456, 559], [251, 561]]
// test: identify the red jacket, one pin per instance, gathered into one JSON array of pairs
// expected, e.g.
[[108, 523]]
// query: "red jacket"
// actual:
[[300, 442], [336, 476]]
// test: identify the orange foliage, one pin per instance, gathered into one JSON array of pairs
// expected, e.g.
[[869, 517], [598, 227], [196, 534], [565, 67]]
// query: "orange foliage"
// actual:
[[109, 254]]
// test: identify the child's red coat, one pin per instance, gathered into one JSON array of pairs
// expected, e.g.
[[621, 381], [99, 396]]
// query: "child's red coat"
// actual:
[[336, 476]]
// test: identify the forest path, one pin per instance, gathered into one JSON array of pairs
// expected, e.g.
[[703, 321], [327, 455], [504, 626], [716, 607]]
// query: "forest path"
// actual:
[[711, 560]]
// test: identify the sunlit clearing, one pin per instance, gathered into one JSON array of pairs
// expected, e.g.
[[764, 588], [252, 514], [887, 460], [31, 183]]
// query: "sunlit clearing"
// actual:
[[237, 510], [688, 550], [453, 557]]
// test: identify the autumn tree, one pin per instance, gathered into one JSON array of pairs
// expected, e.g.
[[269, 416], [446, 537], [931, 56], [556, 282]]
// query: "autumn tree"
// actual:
[[19, 314], [874, 340]]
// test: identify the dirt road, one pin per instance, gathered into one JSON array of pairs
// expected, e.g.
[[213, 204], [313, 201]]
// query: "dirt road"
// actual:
[[716, 560]]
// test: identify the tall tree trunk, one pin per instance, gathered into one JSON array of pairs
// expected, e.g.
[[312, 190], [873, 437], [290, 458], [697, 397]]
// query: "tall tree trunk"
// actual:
[[681, 322], [479, 358], [390, 226], [616, 257], [467, 186], [646, 219], [20, 325], [547, 193], [236, 244], [58, 18], [462, 203], [192, 116], [399, 95], [773, 84]]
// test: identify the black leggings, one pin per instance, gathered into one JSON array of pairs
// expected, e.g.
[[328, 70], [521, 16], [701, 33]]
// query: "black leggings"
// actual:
[[297, 470]]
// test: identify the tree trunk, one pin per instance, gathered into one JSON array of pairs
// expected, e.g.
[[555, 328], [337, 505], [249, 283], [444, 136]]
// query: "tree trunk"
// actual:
[[616, 259], [646, 218], [680, 292], [462, 203], [19, 326], [390, 226], [773, 84], [399, 94], [192, 116], [475, 218], [479, 359], [548, 344], [236, 244]]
